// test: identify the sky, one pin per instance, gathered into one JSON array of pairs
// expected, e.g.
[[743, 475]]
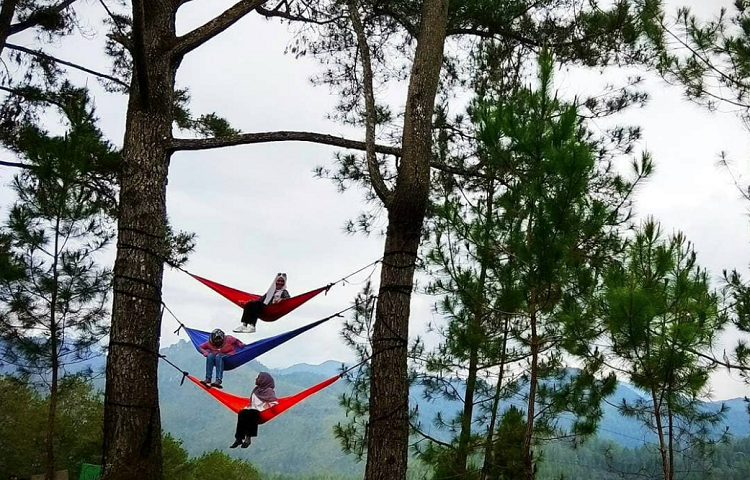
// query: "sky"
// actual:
[[258, 209]]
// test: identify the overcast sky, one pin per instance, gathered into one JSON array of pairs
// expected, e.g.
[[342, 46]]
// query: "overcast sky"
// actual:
[[258, 209]]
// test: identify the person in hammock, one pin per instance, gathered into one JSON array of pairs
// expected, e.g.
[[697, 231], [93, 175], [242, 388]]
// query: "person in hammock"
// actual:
[[253, 309], [262, 398], [216, 349]]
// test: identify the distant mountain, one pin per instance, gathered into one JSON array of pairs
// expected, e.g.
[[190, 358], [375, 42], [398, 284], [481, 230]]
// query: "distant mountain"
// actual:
[[301, 441], [328, 368]]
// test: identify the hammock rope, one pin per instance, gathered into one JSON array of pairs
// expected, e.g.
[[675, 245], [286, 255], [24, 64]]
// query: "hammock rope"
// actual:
[[236, 403], [255, 349], [274, 311]]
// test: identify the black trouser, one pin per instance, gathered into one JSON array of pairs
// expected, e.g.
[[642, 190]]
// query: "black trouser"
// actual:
[[252, 311], [247, 424]]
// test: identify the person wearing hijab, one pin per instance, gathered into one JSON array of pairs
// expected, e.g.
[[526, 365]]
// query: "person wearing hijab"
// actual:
[[262, 398], [253, 309], [218, 347]]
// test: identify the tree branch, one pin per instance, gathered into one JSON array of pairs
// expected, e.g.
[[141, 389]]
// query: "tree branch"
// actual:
[[140, 60], [35, 18], [477, 32], [192, 144], [209, 30], [16, 165], [376, 177], [287, 15], [179, 144], [40, 54]]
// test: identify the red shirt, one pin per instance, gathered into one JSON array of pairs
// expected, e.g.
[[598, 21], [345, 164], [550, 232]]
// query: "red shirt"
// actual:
[[227, 348]]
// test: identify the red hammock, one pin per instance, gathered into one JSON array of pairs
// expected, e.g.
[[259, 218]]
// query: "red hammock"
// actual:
[[235, 403], [271, 312]]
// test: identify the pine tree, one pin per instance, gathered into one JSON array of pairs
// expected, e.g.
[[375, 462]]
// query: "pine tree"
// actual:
[[471, 363], [508, 463], [562, 207], [55, 313], [660, 315]]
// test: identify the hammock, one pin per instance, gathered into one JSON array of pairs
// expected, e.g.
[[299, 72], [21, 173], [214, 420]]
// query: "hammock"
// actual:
[[235, 403], [251, 350], [270, 312]]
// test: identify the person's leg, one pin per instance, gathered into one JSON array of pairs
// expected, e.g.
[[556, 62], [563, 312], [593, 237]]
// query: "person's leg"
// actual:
[[219, 363], [210, 361], [250, 314], [239, 433], [250, 427]]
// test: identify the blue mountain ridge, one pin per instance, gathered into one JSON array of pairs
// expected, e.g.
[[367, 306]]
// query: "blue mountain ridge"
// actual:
[[301, 440]]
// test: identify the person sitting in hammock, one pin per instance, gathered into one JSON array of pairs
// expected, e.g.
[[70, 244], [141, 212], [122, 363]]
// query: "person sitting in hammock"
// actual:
[[253, 309], [262, 398], [218, 347]]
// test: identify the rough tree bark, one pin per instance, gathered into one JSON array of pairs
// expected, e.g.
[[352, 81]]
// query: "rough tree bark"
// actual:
[[388, 435], [132, 424]]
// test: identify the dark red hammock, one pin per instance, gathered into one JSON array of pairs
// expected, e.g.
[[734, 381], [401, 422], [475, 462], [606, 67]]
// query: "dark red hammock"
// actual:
[[271, 312], [235, 403]]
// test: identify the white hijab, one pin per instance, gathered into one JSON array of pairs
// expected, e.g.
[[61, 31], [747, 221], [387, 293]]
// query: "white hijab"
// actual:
[[273, 293]]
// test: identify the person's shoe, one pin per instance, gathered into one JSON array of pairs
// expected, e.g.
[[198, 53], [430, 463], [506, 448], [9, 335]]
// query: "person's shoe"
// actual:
[[250, 329], [217, 384], [206, 383], [241, 329], [246, 442], [237, 443]]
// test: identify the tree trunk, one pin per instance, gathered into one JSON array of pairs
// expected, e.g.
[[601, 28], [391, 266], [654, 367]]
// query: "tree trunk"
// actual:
[[7, 11], [488, 446], [476, 339], [462, 451], [660, 433], [132, 424], [528, 441], [670, 419], [49, 464], [388, 435]]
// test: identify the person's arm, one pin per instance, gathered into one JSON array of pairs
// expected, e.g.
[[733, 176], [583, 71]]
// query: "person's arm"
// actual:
[[284, 295], [203, 347]]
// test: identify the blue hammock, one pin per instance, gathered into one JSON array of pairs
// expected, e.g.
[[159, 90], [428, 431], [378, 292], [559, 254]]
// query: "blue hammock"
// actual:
[[250, 351]]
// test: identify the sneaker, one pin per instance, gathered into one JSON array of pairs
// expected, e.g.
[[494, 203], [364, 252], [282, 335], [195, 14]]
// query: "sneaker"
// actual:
[[237, 443], [217, 384], [206, 383], [244, 329]]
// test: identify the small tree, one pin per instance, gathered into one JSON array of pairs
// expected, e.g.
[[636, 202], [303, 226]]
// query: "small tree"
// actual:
[[508, 463], [55, 314], [660, 316]]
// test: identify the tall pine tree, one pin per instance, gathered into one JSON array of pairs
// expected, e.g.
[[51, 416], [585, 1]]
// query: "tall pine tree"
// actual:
[[562, 209], [55, 313]]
